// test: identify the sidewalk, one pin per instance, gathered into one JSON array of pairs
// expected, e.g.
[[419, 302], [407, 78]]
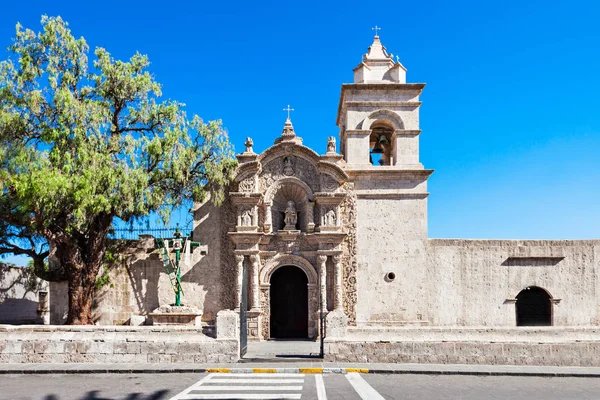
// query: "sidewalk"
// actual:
[[303, 367]]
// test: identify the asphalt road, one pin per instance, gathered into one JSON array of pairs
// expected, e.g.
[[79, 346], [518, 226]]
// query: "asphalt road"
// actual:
[[293, 386]]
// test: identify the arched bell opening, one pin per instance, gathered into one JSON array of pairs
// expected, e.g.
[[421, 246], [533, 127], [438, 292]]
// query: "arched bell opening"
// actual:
[[289, 303], [380, 143], [534, 307]]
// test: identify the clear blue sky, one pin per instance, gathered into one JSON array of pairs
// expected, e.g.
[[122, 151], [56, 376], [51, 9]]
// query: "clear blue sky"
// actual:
[[510, 114]]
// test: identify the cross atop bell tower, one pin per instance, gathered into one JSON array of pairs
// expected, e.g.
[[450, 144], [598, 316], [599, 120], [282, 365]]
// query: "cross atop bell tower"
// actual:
[[378, 66], [378, 114]]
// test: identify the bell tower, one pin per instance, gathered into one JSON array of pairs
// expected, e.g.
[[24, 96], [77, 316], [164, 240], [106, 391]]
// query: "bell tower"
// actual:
[[378, 117], [378, 114]]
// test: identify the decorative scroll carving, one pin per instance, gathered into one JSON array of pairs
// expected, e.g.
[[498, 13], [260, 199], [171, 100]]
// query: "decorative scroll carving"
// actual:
[[328, 183], [294, 166], [349, 263], [247, 185]]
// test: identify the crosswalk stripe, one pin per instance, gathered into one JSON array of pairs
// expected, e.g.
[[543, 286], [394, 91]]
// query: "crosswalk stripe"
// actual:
[[252, 380], [364, 390], [247, 396], [242, 385], [186, 390], [321, 395], [248, 388]]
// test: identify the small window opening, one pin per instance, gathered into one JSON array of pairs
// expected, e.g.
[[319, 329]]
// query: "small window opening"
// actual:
[[534, 307]]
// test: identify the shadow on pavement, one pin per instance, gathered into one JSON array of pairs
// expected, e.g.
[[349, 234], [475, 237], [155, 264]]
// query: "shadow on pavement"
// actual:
[[94, 395]]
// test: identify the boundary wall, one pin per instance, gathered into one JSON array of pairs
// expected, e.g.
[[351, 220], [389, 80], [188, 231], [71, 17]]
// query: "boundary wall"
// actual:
[[543, 346], [113, 344]]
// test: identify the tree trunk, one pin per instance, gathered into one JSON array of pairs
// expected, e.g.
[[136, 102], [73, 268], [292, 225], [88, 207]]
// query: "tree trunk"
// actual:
[[82, 257]]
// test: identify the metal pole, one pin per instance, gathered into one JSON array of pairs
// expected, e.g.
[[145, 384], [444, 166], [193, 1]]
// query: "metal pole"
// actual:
[[178, 292], [322, 337]]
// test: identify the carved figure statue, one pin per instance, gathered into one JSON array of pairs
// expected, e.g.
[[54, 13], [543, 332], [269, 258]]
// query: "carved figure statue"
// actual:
[[246, 217], [249, 143], [330, 218], [288, 167], [291, 216], [331, 144]]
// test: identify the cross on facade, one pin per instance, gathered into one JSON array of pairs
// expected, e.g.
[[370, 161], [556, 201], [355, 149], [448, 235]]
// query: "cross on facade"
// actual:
[[376, 29], [288, 109]]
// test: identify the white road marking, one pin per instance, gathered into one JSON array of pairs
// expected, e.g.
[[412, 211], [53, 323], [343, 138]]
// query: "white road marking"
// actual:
[[253, 380], [364, 390], [321, 395], [237, 396], [248, 388], [241, 386], [200, 382]]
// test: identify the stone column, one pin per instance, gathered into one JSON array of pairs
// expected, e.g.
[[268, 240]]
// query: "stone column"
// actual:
[[255, 262], [310, 217], [267, 226], [337, 267], [255, 216], [239, 271], [322, 260]]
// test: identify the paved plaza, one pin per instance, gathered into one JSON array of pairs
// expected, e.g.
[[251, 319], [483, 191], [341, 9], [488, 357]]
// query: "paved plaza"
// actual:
[[351, 386]]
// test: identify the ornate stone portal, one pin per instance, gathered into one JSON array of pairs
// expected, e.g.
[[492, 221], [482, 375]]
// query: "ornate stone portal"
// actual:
[[292, 209]]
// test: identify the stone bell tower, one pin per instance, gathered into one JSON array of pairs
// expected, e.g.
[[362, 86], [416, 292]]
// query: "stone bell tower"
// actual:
[[378, 117]]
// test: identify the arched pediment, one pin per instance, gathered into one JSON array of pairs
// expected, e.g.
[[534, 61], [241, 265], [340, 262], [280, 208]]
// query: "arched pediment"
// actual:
[[281, 260], [326, 167], [246, 170], [283, 149]]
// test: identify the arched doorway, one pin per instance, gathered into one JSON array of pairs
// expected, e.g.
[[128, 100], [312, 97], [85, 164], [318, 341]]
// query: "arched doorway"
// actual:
[[289, 303], [534, 307]]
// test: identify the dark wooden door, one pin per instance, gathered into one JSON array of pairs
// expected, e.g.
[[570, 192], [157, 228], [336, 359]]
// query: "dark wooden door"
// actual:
[[289, 303]]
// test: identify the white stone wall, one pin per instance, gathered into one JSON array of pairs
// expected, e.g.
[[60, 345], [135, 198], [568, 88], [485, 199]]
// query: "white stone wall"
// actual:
[[391, 238], [470, 281], [19, 290]]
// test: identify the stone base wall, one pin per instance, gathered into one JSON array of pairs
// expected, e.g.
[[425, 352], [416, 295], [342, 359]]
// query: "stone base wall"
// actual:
[[543, 346], [113, 344]]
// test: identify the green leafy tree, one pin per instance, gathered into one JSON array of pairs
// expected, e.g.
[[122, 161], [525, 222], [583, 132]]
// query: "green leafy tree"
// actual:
[[81, 145]]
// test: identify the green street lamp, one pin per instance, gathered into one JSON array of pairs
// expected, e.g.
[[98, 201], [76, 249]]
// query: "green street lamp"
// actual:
[[178, 244]]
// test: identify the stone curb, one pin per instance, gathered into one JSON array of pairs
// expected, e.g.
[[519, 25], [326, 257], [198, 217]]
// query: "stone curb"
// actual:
[[308, 370]]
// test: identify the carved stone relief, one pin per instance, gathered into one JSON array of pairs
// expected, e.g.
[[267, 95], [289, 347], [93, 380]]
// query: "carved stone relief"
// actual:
[[349, 264], [329, 218], [289, 166], [247, 185], [246, 216], [328, 183]]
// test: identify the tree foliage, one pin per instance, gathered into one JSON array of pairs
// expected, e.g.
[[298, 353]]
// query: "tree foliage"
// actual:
[[81, 144]]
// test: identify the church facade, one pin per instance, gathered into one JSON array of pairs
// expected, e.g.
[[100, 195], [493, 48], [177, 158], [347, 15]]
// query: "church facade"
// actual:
[[343, 235]]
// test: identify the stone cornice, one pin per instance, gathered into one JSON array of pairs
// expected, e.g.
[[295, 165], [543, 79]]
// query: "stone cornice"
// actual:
[[238, 198], [370, 103], [392, 172], [389, 194], [375, 86], [329, 198]]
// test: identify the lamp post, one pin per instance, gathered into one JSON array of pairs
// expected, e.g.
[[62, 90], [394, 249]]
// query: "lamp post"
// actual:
[[177, 243]]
